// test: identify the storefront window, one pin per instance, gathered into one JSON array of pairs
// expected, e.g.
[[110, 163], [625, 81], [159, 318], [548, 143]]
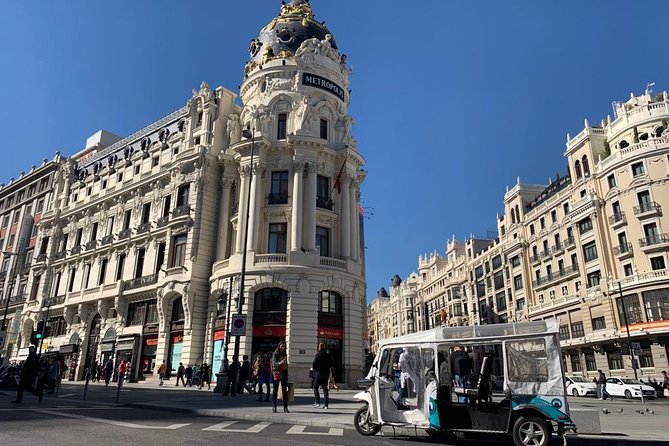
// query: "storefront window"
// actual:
[[330, 302], [271, 299], [656, 303], [632, 309]]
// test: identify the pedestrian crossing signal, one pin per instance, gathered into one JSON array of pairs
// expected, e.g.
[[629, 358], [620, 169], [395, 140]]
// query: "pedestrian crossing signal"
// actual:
[[40, 330]]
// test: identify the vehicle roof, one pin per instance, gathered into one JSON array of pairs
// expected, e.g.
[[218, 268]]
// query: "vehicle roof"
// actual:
[[477, 333]]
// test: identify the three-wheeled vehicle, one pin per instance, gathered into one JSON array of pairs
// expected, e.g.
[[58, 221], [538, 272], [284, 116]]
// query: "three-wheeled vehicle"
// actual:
[[441, 380]]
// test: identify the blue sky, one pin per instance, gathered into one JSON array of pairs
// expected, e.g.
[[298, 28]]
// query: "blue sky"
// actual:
[[452, 99]]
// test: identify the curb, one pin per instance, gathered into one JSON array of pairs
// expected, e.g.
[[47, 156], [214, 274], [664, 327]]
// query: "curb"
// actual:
[[272, 418]]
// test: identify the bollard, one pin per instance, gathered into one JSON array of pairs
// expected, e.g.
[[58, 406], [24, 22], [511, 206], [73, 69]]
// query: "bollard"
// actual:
[[88, 377], [120, 384]]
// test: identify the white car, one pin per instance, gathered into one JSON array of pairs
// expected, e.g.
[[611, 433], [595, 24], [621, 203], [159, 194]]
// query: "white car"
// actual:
[[629, 388], [579, 386]]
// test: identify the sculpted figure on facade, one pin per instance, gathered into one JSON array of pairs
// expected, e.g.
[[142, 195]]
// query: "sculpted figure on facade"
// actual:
[[304, 115], [343, 127], [308, 48], [234, 129]]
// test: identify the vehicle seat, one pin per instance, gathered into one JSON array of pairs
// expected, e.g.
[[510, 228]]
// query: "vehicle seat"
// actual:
[[478, 388]]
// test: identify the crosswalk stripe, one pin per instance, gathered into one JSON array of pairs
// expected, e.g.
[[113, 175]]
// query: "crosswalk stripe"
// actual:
[[112, 422], [299, 430], [223, 427]]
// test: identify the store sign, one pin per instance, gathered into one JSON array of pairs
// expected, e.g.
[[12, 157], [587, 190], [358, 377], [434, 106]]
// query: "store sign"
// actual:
[[125, 345], [330, 333], [270, 331], [322, 83], [151, 341], [219, 335]]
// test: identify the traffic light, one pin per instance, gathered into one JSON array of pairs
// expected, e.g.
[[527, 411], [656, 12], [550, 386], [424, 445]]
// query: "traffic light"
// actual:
[[39, 331], [33, 338]]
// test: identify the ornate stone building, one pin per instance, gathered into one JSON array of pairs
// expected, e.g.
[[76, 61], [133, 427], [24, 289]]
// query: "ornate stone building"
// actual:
[[589, 249], [142, 249]]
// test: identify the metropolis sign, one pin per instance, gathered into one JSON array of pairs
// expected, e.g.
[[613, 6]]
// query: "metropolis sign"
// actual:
[[320, 82]]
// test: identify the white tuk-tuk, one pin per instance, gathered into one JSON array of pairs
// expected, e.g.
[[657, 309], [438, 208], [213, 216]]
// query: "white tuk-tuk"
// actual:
[[442, 380]]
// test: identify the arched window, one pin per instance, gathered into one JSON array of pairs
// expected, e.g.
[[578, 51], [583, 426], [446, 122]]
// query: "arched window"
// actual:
[[586, 166], [270, 299], [577, 168], [178, 310], [659, 131], [517, 214], [513, 216]]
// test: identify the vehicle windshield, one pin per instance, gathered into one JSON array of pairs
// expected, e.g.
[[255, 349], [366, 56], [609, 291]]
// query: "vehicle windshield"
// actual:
[[629, 381], [578, 379]]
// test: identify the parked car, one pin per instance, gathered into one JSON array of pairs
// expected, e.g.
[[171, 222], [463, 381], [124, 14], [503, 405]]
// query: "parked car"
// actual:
[[629, 388], [579, 386]]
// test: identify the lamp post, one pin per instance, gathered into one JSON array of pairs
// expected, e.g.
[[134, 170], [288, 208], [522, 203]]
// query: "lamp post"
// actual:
[[248, 134], [4, 332]]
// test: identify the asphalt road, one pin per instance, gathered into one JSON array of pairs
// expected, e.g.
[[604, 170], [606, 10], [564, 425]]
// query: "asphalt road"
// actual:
[[103, 425]]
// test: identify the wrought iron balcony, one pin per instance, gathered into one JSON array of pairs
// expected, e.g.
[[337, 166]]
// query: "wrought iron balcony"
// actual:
[[144, 227], [655, 239], [557, 248], [41, 258], [180, 211], [625, 248], [545, 253], [556, 275], [277, 198], [91, 245], [140, 282], [60, 255], [648, 207], [324, 203], [124, 234], [617, 218], [569, 242], [107, 239], [75, 250], [534, 258], [162, 221]]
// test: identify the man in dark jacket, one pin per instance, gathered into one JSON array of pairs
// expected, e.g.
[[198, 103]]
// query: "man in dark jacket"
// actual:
[[461, 367], [27, 377], [188, 373], [321, 367], [244, 376], [181, 370], [109, 371]]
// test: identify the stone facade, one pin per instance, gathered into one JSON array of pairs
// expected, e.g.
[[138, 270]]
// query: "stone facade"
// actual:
[[571, 250], [144, 244]]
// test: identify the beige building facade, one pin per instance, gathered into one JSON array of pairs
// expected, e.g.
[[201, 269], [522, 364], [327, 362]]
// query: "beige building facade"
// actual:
[[590, 249], [141, 251]]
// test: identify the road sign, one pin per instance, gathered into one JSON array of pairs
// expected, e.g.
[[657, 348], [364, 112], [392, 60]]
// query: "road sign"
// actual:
[[238, 325]]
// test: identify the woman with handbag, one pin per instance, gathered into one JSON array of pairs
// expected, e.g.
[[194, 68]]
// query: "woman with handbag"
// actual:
[[280, 375]]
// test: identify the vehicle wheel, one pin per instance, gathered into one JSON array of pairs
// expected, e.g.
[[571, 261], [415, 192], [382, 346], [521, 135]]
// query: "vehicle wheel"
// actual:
[[574, 392], [531, 431], [628, 394], [362, 425]]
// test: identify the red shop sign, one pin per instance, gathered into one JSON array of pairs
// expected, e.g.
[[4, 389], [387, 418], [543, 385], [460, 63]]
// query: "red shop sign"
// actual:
[[270, 331], [219, 335], [151, 341], [330, 333]]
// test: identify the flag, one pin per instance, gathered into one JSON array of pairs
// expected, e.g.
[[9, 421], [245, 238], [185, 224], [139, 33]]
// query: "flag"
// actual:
[[337, 183]]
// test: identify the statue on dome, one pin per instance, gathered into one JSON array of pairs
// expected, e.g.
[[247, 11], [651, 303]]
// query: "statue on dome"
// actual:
[[308, 47]]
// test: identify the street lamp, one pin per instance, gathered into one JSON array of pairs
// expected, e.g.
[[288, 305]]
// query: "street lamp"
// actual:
[[248, 134], [627, 326]]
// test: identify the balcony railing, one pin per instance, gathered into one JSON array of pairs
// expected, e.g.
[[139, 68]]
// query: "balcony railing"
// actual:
[[556, 275], [271, 258], [144, 227], [277, 198], [616, 218], [139, 282], [534, 258], [107, 239], [60, 255], [124, 234], [324, 203], [545, 253], [75, 250], [162, 221], [569, 242], [41, 258], [625, 248], [90, 245], [180, 211], [557, 248], [337, 263], [643, 208], [654, 240]]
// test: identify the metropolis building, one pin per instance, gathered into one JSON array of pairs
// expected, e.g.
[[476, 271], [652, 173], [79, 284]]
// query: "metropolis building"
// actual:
[[141, 252], [590, 249]]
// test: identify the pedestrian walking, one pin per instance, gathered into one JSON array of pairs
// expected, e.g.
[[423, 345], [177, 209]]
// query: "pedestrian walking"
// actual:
[[161, 373], [321, 367], [108, 371], [53, 374], [264, 365], [188, 373], [280, 375], [461, 367], [601, 385], [181, 370], [244, 375], [28, 376], [122, 370], [205, 376]]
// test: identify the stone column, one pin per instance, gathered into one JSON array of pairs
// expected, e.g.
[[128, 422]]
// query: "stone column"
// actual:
[[296, 218], [345, 219], [241, 213], [355, 241], [310, 209], [224, 208], [258, 172]]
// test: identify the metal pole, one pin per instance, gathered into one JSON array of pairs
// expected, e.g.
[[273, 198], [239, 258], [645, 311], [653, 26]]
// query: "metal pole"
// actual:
[[227, 326], [242, 275], [3, 328], [627, 326], [46, 318]]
